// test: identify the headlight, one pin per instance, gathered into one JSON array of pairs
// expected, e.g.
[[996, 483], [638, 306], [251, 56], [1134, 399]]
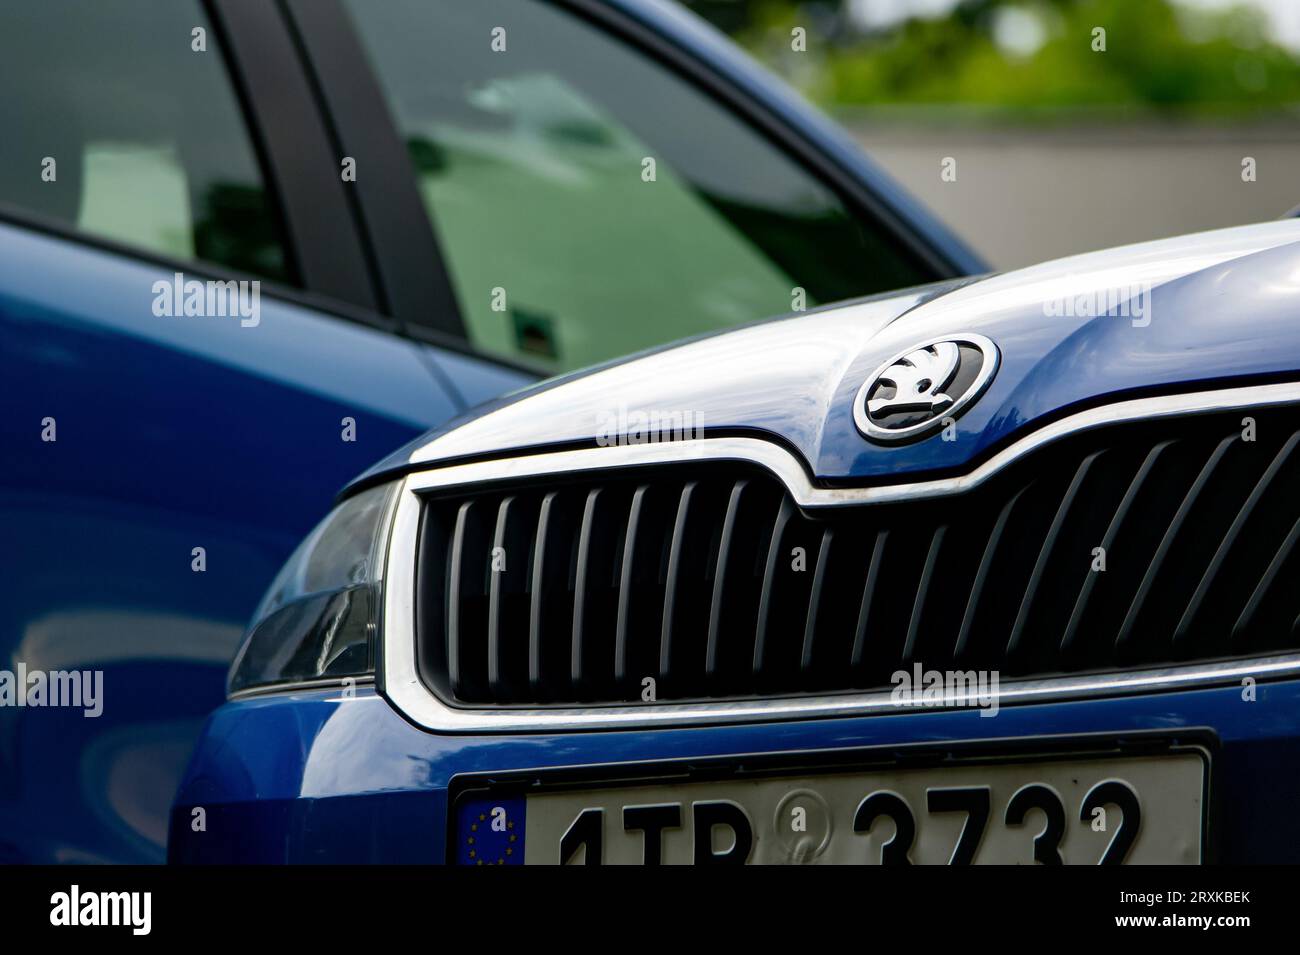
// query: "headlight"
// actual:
[[317, 621]]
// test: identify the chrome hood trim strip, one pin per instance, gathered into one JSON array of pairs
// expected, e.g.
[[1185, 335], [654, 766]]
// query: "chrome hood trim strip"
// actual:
[[401, 684], [1213, 295]]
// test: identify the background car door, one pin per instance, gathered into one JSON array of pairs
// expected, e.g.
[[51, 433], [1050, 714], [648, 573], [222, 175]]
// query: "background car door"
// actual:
[[158, 467]]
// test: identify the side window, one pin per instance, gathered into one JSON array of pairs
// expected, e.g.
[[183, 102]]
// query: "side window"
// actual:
[[115, 124], [589, 201]]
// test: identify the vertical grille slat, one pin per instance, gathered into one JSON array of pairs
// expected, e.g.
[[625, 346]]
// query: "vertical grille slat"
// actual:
[[762, 640], [1248, 613], [982, 575], [468, 555], [1020, 628], [1108, 541], [583, 590], [1230, 538], [544, 557], [642, 585], [709, 577], [496, 669], [814, 603], [432, 575], [627, 583], [723, 576], [858, 657], [676, 559], [1167, 542], [918, 603]]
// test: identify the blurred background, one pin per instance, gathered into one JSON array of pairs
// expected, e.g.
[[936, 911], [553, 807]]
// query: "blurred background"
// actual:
[[1060, 147]]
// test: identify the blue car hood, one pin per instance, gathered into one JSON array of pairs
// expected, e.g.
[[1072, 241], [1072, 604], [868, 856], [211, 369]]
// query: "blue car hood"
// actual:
[[1176, 314]]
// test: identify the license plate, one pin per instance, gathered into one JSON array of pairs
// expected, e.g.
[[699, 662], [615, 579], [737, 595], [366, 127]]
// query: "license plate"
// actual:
[[1126, 809]]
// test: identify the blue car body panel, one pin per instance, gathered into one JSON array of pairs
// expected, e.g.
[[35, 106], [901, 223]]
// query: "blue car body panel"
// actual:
[[171, 434]]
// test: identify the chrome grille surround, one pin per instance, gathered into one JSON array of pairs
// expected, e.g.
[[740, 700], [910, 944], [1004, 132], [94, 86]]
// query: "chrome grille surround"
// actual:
[[401, 683]]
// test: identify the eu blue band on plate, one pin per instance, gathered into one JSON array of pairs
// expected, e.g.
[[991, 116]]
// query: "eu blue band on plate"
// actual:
[[490, 831]]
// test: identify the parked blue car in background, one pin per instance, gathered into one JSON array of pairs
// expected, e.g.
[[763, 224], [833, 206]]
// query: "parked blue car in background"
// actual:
[[440, 202]]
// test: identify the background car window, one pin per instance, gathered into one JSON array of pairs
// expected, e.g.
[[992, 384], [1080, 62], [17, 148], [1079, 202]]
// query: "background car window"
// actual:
[[531, 162], [148, 142]]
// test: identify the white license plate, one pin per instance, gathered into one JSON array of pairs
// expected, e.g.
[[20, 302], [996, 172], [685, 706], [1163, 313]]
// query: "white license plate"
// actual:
[[1131, 810]]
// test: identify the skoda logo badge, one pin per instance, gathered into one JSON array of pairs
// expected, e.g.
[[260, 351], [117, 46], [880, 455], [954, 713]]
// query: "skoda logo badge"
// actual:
[[916, 391]]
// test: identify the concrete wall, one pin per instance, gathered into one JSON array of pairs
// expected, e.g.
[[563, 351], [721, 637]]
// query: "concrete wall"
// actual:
[[1024, 195]]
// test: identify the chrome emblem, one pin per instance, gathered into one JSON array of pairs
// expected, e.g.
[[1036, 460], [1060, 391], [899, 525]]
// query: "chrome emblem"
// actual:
[[915, 392]]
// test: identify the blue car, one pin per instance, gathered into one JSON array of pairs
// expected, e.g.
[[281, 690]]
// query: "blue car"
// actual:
[[998, 570], [249, 248]]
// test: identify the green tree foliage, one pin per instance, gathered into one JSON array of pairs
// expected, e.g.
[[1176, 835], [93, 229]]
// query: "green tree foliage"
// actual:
[[1027, 55]]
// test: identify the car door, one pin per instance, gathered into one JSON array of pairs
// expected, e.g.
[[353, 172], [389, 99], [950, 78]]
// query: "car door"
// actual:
[[194, 358]]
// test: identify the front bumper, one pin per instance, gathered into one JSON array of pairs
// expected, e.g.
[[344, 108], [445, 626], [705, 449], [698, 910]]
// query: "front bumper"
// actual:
[[315, 777]]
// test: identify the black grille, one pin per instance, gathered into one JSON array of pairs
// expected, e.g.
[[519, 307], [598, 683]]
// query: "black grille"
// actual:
[[708, 579]]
